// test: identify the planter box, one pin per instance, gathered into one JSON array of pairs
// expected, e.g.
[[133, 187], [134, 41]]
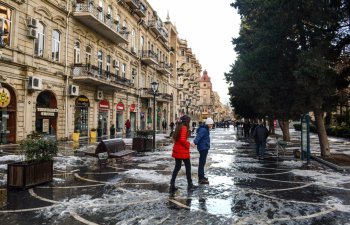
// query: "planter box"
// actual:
[[93, 134], [25, 175], [76, 137], [141, 144]]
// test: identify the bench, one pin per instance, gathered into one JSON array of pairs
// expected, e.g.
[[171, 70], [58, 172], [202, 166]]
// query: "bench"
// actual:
[[110, 149]]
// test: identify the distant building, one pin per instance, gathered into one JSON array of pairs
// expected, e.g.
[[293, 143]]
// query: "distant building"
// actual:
[[70, 66]]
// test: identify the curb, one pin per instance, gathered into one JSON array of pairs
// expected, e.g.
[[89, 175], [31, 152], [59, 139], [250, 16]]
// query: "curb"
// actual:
[[331, 165]]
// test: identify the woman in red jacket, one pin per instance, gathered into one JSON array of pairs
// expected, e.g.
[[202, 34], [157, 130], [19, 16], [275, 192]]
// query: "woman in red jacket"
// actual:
[[181, 152]]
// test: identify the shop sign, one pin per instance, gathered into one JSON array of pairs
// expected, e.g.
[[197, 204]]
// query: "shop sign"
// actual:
[[47, 111], [5, 97], [132, 107], [104, 105], [82, 101], [120, 106]]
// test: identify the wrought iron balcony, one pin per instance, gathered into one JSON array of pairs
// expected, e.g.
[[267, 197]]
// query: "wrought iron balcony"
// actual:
[[99, 21], [149, 57], [164, 34], [164, 68], [92, 75], [164, 97], [156, 26], [133, 4], [141, 11]]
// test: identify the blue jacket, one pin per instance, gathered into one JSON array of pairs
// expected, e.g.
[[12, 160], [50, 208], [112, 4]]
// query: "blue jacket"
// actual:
[[202, 139]]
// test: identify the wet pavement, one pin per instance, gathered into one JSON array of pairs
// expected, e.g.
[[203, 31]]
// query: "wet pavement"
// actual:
[[242, 190]]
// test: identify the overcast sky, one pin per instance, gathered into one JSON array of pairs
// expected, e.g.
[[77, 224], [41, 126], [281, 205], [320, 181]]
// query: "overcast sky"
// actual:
[[208, 27]]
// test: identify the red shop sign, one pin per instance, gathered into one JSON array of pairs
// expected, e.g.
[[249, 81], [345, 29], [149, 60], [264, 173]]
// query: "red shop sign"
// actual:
[[132, 107], [104, 105], [120, 106]]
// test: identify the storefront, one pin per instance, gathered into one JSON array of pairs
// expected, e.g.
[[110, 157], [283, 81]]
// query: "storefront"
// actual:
[[133, 117], [120, 118], [81, 116], [46, 113], [102, 127], [7, 115]]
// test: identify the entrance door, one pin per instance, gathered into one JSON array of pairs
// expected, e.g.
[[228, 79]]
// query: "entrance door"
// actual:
[[82, 121], [7, 115], [102, 122], [133, 121]]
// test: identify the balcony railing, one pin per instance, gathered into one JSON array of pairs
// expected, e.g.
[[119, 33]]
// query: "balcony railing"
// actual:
[[142, 10], [156, 26], [134, 4], [99, 21], [91, 74], [149, 57], [164, 68]]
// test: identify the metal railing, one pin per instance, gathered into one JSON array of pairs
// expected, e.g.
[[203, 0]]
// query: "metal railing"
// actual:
[[100, 74]]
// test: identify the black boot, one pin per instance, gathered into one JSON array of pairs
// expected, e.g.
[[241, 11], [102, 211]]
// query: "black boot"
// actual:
[[191, 186], [172, 187]]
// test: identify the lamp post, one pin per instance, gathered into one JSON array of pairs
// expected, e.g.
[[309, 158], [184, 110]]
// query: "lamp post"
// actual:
[[154, 86], [187, 102]]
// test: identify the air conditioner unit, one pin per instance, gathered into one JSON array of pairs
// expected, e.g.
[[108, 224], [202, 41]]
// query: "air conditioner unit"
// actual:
[[73, 90], [32, 22], [32, 33], [115, 63], [35, 83], [99, 95]]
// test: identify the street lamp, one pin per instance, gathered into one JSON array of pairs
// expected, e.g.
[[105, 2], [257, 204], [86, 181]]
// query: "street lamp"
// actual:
[[187, 102], [154, 86]]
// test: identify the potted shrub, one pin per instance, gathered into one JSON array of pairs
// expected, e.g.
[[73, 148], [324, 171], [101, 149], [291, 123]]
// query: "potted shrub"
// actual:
[[76, 135], [143, 140], [93, 133], [37, 168]]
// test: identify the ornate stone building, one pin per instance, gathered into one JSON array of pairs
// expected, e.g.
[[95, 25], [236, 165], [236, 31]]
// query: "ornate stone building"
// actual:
[[77, 65]]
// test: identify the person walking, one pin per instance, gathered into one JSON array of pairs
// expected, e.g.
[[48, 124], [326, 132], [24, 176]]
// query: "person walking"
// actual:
[[260, 135], [202, 141], [128, 126], [172, 124], [164, 124], [181, 152]]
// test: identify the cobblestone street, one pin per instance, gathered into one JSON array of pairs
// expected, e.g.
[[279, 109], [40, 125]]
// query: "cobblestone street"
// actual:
[[242, 190]]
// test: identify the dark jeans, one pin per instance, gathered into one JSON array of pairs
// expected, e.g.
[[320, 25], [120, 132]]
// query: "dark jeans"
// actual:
[[177, 168], [202, 160], [260, 148]]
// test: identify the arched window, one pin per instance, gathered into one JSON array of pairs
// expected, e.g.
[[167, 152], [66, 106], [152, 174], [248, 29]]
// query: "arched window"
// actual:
[[76, 52], [88, 55], [99, 62], [109, 12], [100, 10], [133, 40], [117, 22], [5, 25], [56, 37], [40, 40], [108, 63]]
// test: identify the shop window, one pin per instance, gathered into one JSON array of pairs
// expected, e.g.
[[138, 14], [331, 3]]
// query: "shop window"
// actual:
[[5, 25], [40, 40]]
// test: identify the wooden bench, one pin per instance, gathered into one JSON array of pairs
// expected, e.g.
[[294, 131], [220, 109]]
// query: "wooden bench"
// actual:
[[111, 149]]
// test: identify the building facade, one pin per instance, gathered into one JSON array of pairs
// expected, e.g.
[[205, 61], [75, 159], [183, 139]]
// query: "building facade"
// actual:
[[70, 66]]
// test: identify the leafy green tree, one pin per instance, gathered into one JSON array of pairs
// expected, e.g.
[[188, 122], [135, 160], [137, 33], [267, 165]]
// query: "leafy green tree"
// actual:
[[287, 53]]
